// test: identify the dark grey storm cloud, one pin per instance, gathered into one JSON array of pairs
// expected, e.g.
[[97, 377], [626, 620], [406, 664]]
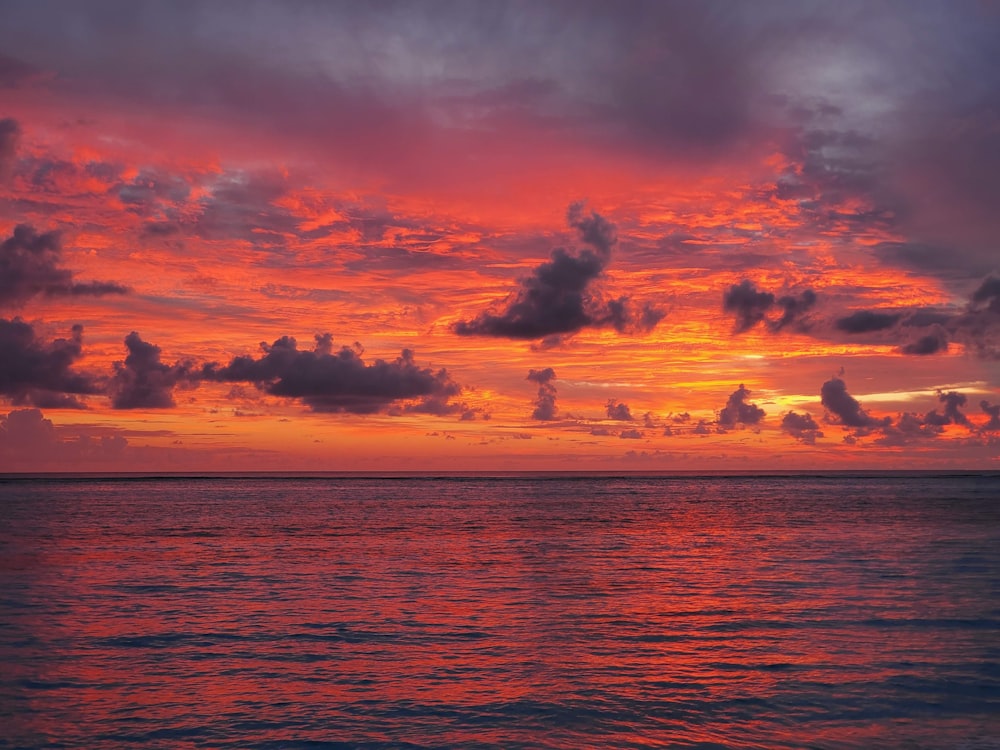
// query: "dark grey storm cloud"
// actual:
[[545, 403], [33, 372], [559, 298], [30, 265], [618, 410], [867, 321], [802, 427], [844, 408], [340, 381], [738, 411], [750, 306], [142, 381]]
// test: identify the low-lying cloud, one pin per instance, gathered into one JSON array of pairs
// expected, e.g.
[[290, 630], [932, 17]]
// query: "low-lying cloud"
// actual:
[[329, 380]]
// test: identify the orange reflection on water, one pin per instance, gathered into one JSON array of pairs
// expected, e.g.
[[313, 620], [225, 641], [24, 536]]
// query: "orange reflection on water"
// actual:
[[551, 613]]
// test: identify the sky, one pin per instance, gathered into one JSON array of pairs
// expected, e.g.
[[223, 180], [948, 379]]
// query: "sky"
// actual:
[[487, 236]]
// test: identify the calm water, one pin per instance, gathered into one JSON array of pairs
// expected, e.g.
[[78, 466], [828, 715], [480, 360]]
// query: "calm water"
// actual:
[[519, 612]]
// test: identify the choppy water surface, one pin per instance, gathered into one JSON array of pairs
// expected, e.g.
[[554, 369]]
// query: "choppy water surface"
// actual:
[[517, 612]]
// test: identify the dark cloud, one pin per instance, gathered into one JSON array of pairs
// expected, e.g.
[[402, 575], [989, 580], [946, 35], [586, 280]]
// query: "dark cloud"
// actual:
[[931, 343], [38, 373], [631, 434], [10, 134], [618, 410], [545, 404], [987, 296], [621, 315], [844, 408], [154, 194], [340, 381], [908, 428], [246, 207], [993, 412], [29, 265], [793, 308], [926, 317], [751, 306], [142, 381], [559, 298], [542, 377], [926, 330], [953, 401], [702, 428], [802, 427], [747, 303], [866, 321], [738, 411]]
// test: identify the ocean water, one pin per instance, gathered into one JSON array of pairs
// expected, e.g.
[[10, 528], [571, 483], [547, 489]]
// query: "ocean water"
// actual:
[[509, 612]]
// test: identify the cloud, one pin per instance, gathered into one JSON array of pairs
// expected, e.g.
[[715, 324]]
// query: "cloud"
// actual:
[[802, 427], [545, 404], [844, 408], [618, 410], [931, 343], [987, 296], [751, 306], [559, 298], [738, 411], [25, 430], [793, 308], [632, 434], [952, 401], [29, 265], [28, 439], [930, 330], [908, 428], [993, 412], [142, 381], [702, 428], [38, 373], [340, 381], [10, 134], [747, 303], [866, 321]]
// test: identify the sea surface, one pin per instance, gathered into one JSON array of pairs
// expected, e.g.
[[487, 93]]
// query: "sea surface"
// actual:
[[501, 612]]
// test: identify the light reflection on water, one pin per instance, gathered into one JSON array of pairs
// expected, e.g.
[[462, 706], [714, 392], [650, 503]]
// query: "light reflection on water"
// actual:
[[519, 612]]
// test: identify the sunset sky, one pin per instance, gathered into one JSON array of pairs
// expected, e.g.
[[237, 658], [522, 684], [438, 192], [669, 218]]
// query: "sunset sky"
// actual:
[[377, 236]]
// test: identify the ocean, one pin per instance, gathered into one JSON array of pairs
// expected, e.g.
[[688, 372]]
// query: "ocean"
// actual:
[[533, 611]]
